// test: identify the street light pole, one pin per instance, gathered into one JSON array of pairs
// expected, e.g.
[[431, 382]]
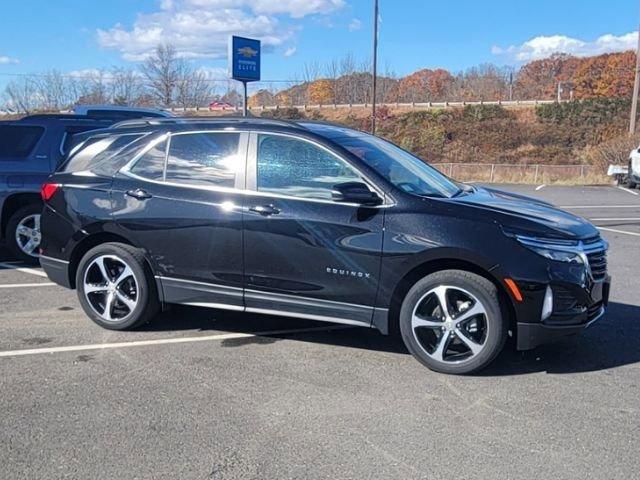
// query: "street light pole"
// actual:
[[374, 66], [636, 87]]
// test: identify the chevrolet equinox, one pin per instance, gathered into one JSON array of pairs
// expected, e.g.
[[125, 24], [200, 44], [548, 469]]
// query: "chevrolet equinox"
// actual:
[[314, 221]]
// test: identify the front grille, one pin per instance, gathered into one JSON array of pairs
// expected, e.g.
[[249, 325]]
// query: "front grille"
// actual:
[[596, 252], [563, 300], [593, 311]]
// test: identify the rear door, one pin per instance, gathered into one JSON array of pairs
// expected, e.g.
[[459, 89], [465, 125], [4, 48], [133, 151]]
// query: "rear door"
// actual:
[[180, 202], [306, 255]]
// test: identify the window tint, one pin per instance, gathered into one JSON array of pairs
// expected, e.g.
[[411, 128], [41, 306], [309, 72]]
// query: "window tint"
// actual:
[[151, 164], [298, 168], [18, 141], [68, 140], [210, 159], [96, 155]]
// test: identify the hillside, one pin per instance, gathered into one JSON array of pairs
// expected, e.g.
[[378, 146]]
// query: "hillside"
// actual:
[[603, 76]]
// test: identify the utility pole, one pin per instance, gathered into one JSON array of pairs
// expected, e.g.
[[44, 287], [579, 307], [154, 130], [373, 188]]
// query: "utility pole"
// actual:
[[511, 84], [559, 92], [636, 87], [374, 66]]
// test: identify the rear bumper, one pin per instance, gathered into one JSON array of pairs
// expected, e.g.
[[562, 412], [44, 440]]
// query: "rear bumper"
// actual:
[[57, 270]]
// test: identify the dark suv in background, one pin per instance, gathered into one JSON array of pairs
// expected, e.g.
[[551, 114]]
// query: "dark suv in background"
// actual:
[[314, 221], [30, 149]]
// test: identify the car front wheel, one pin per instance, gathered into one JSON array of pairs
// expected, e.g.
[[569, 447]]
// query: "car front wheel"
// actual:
[[451, 321]]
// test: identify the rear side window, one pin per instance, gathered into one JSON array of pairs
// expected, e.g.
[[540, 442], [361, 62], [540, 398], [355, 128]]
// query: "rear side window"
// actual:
[[151, 164], [68, 139], [97, 155], [209, 159], [18, 141]]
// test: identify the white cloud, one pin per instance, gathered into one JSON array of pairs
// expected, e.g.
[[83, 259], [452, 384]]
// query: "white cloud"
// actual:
[[544, 46], [4, 60], [355, 25], [290, 51], [201, 28]]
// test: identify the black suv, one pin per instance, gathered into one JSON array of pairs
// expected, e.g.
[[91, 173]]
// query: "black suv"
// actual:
[[314, 221]]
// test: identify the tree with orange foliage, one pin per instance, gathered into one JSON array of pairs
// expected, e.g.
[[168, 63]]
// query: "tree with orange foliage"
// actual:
[[320, 92]]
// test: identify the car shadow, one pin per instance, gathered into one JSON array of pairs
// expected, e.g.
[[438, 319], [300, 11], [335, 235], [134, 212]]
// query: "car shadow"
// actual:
[[612, 342]]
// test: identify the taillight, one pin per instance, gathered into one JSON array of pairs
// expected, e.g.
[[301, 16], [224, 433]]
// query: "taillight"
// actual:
[[47, 190]]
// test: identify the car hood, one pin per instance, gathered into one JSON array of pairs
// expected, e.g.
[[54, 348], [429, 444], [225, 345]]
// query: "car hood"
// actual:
[[527, 214]]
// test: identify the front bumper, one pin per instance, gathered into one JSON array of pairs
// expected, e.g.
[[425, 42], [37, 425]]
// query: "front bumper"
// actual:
[[590, 307]]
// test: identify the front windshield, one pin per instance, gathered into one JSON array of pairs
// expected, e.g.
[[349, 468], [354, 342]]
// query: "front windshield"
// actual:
[[399, 167]]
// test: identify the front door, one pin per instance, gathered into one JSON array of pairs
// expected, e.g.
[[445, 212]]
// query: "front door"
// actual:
[[306, 255], [180, 200]]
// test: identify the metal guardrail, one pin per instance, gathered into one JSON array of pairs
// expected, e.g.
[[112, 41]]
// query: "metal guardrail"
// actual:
[[523, 173], [406, 105], [337, 106]]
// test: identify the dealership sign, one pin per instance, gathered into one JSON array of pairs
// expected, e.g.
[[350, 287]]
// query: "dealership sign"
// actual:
[[244, 59]]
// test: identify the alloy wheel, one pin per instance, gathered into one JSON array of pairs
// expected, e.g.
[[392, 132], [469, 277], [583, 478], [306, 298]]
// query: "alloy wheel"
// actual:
[[28, 235], [111, 288], [450, 324]]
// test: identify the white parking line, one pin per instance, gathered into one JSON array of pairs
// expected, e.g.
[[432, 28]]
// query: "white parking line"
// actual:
[[618, 231], [31, 271], [166, 341], [25, 285], [632, 192], [540, 187]]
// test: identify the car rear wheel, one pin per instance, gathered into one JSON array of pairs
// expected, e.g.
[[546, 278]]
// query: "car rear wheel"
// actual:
[[115, 287], [451, 321], [23, 233]]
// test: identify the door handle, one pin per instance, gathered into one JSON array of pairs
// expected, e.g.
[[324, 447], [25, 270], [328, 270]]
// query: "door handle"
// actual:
[[139, 194], [265, 210]]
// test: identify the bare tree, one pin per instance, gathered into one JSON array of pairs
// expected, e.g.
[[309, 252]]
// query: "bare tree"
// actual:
[[126, 86], [192, 86], [22, 95], [162, 72]]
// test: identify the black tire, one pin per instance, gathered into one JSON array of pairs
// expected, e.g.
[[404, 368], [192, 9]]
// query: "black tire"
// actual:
[[495, 321], [10, 234], [147, 304]]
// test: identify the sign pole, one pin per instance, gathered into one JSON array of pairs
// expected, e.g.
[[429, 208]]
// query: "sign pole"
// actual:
[[245, 103], [636, 87]]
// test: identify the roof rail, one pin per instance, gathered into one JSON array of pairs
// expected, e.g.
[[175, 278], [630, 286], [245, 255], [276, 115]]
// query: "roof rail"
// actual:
[[63, 116], [190, 120]]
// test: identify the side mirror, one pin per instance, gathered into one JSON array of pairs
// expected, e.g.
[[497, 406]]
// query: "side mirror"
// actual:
[[355, 192]]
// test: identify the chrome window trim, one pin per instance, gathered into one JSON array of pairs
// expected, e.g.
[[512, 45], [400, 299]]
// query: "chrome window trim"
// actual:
[[243, 184], [252, 172], [243, 142]]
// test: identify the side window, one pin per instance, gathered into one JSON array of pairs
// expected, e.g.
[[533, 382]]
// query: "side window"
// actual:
[[210, 159], [17, 141], [151, 164], [97, 154], [297, 168]]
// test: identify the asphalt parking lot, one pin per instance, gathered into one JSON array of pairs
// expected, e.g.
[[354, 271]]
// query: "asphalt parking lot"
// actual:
[[198, 394]]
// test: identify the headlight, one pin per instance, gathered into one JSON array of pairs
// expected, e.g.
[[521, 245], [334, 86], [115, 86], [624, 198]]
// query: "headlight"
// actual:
[[567, 251]]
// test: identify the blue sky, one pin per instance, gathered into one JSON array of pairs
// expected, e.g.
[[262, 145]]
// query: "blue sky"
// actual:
[[74, 35]]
